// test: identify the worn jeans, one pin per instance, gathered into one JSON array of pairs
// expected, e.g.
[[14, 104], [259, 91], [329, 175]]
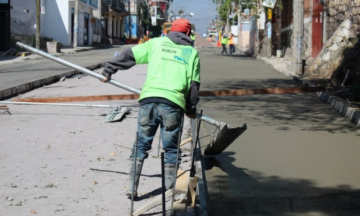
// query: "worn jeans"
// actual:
[[170, 120]]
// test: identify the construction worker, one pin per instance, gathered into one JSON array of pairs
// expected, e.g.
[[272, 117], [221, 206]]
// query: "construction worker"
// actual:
[[170, 90], [224, 42], [192, 36], [231, 44]]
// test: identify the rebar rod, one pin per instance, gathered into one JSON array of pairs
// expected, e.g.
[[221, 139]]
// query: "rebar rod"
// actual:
[[133, 182], [56, 104], [175, 174], [192, 172], [158, 154], [163, 183]]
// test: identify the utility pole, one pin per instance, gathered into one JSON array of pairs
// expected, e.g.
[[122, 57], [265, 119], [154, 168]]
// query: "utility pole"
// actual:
[[38, 8], [269, 32], [76, 18], [240, 42], [298, 33]]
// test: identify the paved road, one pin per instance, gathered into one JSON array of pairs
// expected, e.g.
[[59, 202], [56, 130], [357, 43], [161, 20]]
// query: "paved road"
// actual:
[[298, 157], [26, 69]]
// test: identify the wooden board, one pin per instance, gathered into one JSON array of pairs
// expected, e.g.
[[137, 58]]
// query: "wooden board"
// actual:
[[182, 181]]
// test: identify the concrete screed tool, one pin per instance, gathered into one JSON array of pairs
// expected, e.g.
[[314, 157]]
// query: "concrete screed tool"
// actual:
[[221, 140]]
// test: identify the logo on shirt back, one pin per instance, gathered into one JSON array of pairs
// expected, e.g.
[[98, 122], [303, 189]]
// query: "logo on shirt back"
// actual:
[[185, 55], [169, 50]]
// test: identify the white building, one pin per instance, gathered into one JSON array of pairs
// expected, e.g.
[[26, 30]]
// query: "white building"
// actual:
[[57, 21]]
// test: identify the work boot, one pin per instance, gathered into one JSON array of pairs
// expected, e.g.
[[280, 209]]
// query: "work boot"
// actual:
[[139, 165], [169, 175]]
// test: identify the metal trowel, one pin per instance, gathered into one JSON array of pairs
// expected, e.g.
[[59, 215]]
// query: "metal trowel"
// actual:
[[117, 114]]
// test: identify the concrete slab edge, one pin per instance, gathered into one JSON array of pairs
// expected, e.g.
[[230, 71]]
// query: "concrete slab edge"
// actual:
[[22, 88], [343, 107]]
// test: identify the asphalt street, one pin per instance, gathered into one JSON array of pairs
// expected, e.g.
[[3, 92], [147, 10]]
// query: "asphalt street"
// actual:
[[298, 156]]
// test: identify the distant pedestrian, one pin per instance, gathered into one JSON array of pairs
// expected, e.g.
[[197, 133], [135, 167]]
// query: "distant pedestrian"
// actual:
[[192, 36], [231, 44], [163, 33], [224, 42]]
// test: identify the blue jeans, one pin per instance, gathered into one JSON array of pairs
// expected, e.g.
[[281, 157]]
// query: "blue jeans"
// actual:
[[171, 121]]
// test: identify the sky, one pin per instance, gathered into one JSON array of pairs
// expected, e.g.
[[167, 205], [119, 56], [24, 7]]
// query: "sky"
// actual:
[[204, 11]]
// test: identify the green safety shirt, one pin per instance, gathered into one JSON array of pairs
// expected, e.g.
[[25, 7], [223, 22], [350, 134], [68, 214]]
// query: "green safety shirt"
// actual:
[[171, 68], [224, 40], [192, 36]]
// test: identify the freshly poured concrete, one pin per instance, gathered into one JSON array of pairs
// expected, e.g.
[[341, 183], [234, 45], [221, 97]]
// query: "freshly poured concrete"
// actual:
[[297, 157]]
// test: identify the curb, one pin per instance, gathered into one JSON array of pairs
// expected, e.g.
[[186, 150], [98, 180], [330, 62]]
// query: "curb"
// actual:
[[343, 107], [22, 88]]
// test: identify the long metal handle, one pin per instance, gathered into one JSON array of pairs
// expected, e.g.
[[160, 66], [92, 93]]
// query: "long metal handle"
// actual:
[[99, 76], [77, 67], [56, 104]]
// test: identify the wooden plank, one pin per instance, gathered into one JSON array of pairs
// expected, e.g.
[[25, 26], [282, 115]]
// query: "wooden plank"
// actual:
[[192, 189], [179, 205], [185, 141], [230, 92], [79, 98], [182, 181], [153, 202]]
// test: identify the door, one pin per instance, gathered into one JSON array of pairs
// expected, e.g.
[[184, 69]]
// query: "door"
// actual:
[[4, 26], [317, 28]]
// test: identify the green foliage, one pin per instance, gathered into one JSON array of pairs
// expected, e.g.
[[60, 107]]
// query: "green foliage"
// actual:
[[145, 13], [354, 40], [224, 6]]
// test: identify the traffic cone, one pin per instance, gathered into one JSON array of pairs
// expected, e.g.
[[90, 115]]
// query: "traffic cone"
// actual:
[[218, 43]]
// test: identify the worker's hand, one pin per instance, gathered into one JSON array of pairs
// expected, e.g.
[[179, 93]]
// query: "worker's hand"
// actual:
[[192, 116], [105, 80]]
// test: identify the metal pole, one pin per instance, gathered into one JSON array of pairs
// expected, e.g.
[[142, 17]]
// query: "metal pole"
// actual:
[[133, 183], [240, 45], [163, 183], [76, 17], [56, 104], [176, 169], [38, 8], [192, 171], [158, 154], [269, 33], [101, 77]]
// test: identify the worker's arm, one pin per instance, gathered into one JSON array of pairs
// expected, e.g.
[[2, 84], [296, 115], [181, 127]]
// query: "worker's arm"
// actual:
[[123, 61], [193, 93]]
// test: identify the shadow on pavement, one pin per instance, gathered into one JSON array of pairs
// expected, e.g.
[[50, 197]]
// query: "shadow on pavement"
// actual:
[[244, 192], [304, 111]]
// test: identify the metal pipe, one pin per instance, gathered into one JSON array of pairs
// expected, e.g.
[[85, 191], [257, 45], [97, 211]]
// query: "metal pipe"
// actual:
[[56, 104], [133, 183], [158, 154], [100, 77], [163, 183], [78, 68], [176, 169], [192, 171]]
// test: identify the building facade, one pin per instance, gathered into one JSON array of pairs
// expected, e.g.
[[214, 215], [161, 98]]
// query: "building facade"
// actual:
[[57, 21]]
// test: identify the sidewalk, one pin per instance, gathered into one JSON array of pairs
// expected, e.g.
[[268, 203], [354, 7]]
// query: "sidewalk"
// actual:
[[346, 109], [8, 59]]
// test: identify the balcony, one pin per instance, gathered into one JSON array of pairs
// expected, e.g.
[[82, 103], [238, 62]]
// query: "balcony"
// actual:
[[116, 6], [92, 3]]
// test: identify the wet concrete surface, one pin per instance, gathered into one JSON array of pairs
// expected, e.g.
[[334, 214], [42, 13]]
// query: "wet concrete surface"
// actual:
[[297, 157]]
